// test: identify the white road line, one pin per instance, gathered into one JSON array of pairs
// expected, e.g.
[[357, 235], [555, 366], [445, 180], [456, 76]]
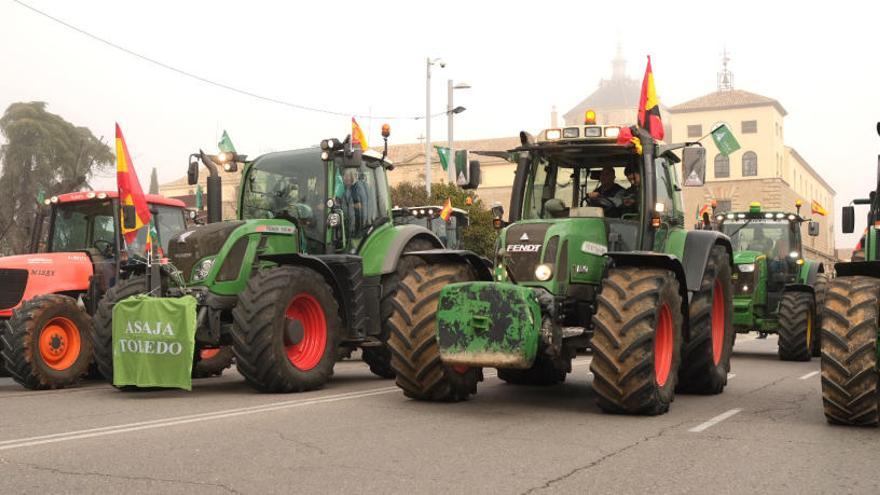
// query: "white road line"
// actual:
[[714, 421], [731, 376], [810, 374]]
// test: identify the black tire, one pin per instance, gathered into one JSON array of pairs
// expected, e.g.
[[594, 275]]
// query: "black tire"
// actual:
[[415, 354], [379, 358], [711, 313], [259, 333], [820, 288], [542, 373], [213, 365], [3, 372], [634, 305], [797, 326], [849, 351], [102, 337], [21, 337]]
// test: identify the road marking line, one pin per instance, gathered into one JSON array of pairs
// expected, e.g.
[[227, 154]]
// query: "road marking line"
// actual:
[[731, 376], [714, 421], [810, 374]]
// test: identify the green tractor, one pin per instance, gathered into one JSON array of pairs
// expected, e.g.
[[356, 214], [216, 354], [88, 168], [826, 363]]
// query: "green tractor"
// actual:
[[775, 289], [448, 231], [575, 269], [851, 327], [310, 265]]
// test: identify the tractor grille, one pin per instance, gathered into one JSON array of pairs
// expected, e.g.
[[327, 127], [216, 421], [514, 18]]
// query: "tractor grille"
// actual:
[[203, 241], [12, 285], [521, 261], [743, 283]]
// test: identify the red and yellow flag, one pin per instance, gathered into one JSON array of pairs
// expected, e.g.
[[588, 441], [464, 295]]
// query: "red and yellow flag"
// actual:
[[446, 212], [357, 135], [649, 105], [130, 192], [816, 208]]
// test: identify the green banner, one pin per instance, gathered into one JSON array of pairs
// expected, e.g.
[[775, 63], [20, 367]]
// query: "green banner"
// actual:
[[225, 143], [461, 168], [443, 153], [153, 341], [724, 140]]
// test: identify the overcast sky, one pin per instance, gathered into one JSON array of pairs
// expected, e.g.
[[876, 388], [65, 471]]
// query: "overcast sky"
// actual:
[[369, 58]]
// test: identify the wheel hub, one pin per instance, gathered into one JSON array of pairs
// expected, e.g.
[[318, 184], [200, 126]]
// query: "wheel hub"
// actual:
[[59, 343]]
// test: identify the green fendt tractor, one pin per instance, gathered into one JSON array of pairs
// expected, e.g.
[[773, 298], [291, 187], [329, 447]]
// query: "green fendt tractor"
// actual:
[[617, 274], [775, 289], [448, 231], [310, 265], [851, 327]]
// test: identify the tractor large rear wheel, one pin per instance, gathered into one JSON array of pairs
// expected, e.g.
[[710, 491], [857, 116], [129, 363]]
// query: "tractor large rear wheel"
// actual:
[[820, 288], [415, 354], [797, 326], [637, 341], [706, 356], [46, 343], [287, 328], [849, 351], [103, 332], [379, 358]]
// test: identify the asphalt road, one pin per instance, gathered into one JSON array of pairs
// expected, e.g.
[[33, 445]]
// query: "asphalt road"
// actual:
[[765, 433]]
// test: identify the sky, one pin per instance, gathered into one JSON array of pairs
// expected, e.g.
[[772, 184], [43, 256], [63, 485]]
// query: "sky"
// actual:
[[369, 59]]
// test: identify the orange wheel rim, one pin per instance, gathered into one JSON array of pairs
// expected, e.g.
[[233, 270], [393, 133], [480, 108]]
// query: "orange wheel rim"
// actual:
[[663, 342], [60, 343], [209, 352], [718, 323]]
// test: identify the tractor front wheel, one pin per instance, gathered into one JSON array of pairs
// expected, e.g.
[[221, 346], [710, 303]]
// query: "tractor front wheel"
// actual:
[[820, 288], [103, 333], [797, 326], [287, 330], [415, 353], [849, 351], [637, 341], [212, 361], [46, 343]]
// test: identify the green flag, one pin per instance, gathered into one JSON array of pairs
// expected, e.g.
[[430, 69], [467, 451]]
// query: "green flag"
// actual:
[[724, 140], [199, 198], [225, 143], [154, 341], [461, 168], [41, 196], [443, 153]]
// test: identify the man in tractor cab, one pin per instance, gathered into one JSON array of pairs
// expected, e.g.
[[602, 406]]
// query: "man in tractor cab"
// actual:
[[760, 242], [607, 194], [632, 194], [355, 201]]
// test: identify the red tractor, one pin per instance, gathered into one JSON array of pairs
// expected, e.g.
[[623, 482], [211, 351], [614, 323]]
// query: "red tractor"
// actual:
[[47, 298]]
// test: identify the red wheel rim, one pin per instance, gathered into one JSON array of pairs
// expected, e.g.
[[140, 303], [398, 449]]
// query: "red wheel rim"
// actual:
[[60, 343], [717, 322], [663, 346], [460, 368], [209, 353], [307, 353]]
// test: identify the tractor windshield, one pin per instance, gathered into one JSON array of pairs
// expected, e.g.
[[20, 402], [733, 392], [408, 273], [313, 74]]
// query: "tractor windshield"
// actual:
[[287, 185], [776, 239]]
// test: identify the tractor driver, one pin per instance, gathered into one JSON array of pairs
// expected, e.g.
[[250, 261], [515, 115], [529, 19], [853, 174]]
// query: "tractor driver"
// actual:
[[355, 201], [633, 193], [608, 194], [761, 243]]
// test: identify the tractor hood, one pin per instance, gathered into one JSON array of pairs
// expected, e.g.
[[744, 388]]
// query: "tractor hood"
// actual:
[[26, 276], [189, 247], [742, 257], [572, 248]]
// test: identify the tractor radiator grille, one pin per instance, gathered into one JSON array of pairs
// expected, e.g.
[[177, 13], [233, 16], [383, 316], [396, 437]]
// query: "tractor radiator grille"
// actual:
[[12, 285], [522, 255], [743, 283]]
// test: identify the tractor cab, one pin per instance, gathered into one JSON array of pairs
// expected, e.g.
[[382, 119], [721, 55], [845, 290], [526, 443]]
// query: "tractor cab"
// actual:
[[449, 231]]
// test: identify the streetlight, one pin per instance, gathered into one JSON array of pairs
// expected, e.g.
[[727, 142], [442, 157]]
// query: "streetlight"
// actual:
[[442, 64], [450, 167]]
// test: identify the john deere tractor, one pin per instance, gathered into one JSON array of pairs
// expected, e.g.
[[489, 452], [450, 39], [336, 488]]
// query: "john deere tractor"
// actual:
[[577, 267], [311, 264], [47, 298], [775, 289], [851, 327], [448, 231]]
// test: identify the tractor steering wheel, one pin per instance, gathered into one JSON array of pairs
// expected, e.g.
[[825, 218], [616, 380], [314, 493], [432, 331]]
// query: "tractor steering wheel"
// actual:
[[601, 202], [107, 251]]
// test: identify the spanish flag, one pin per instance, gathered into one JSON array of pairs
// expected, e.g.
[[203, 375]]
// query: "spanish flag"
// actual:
[[130, 192], [446, 212], [649, 105], [816, 208], [357, 135]]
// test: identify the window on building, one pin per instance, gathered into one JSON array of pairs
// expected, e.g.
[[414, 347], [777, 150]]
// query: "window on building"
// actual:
[[722, 166], [749, 126], [723, 205], [695, 131], [750, 164]]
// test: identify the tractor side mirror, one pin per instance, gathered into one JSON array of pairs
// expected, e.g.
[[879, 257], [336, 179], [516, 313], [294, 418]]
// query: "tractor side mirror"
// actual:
[[474, 177], [192, 173], [848, 219], [813, 228], [129, 217], [694, 163]]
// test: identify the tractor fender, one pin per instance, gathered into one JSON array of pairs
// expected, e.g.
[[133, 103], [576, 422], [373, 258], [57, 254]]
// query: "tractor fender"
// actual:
[[401, 236], [481, 266], [864, 268], [799, 288], [697, 246], [812, 269]]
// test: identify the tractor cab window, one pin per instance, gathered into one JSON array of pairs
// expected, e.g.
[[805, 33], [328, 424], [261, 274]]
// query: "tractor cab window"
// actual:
[[83, 226], [169, 222], [446, 230], [363, 196], [776, 239]]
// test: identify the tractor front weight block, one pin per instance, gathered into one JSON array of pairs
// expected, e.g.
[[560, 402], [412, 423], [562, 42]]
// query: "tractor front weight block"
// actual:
[[488, 324]]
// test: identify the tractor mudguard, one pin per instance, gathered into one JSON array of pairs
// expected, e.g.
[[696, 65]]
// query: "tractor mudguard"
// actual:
[[488, 324], [697, 246], [809, 272], [853, 268], [482, 267], [382, 252]]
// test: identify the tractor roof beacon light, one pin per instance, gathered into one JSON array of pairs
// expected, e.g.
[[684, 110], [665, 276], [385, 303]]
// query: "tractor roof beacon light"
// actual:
[[797, 204], [590, 117], [755, 207]]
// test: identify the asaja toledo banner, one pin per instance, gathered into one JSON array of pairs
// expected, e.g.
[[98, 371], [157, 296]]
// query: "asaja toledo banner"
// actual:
[[153, 341]]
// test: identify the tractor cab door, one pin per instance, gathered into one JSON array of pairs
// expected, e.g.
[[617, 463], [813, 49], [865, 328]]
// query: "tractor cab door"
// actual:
[[667, 201], [361, 197]]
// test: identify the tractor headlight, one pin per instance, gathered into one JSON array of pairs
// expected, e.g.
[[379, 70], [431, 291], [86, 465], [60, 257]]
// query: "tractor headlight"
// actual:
[[333, 219], [202, 269], [543, 272], [747, 267]]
